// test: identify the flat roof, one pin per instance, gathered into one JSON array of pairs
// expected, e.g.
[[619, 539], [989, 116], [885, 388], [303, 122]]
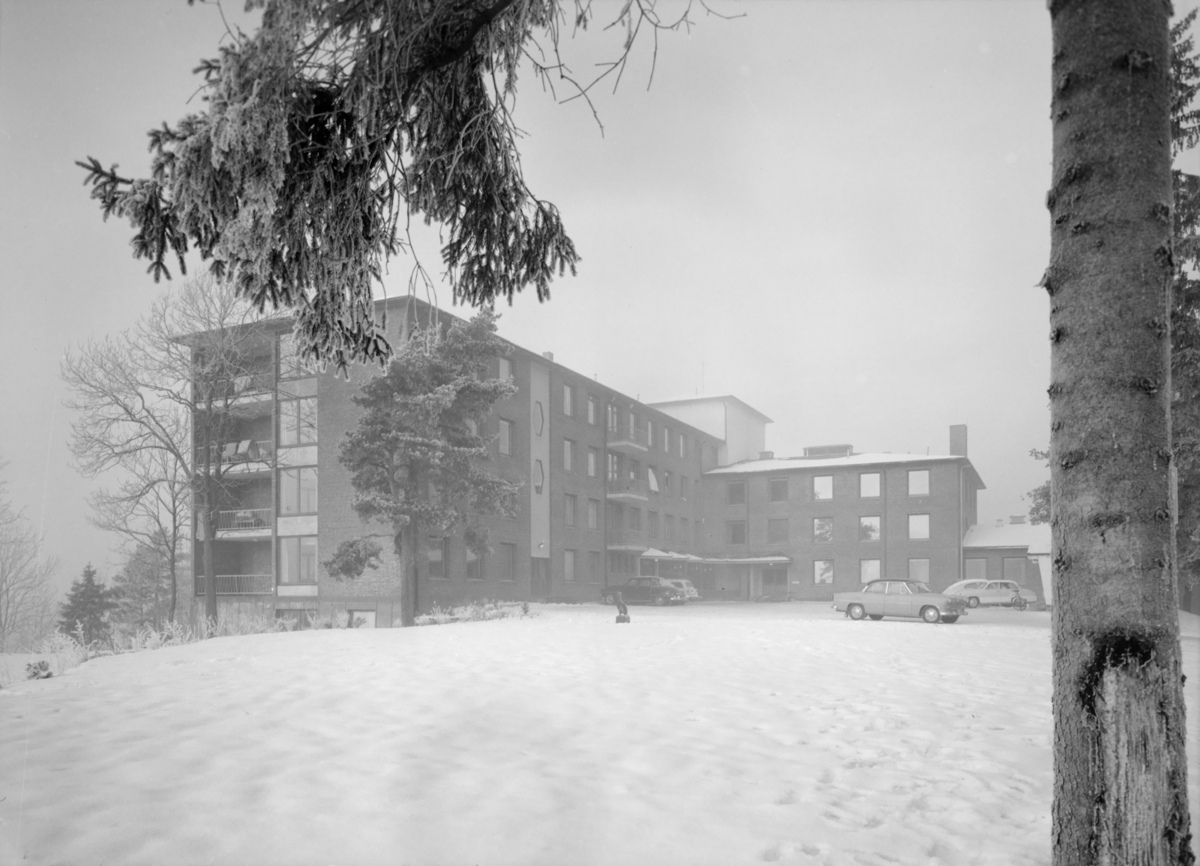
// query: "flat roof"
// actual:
[[717, 398], [1034, 536]]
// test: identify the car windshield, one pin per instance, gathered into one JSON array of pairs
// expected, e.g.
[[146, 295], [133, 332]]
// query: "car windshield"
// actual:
[[920, 587]]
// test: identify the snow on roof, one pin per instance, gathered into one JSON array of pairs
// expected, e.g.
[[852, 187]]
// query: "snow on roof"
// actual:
[[716, 398], [784, 464], [1036, 537]]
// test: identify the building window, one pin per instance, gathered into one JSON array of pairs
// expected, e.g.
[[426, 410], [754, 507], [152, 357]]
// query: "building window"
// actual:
[[569, 509], [591, 410], [669, 522], [868, 529], [667, 439], [777, 489], [666, 488], [868, 570], [611, 412], [822, 487], [298, 491], [594, 566], [633, 519], [1014, 569], [474, 565], [918, 482], [436, 553], [505, 436], [735, 531], [472, 426], [290, 365], [568, 400], [569, 566], [822, 571], [735, 493], [777, 530], [298, 421], [918, 569], [822, 529], [976, 569], [683, 487], [682, 446], [868, 485], [918, 526], [653, 522], [593, 514], [653, 479], [506, 373], [649, 431], [298, 559], [593, 459], [568, 455], [508, 560]]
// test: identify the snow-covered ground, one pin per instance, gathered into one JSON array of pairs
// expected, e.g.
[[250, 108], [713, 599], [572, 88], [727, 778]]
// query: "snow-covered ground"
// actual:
[[710, 734]]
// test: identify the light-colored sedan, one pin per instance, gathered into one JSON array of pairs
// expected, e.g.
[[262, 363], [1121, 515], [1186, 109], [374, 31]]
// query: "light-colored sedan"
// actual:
[[880, 598], [1007, 593], [686, 587]]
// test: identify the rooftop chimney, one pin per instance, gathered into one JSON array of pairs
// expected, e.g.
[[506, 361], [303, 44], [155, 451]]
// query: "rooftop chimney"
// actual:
[[549, 356], [958, 440]]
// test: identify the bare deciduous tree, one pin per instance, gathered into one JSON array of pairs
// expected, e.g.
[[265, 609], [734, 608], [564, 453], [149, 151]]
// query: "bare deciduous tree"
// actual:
[[26, 597], [159, 404]]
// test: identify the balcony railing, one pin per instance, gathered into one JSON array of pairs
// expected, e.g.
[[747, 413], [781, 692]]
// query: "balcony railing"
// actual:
[[239, 584], [248, 454], [626, 488], [625, 538], [627, 433], [245, 518]]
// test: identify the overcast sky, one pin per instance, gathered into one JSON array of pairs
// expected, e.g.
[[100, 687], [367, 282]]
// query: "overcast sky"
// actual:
[[833, 210]]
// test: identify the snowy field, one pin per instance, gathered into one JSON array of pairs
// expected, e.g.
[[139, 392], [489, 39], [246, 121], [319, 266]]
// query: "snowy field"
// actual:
[[711, 734]]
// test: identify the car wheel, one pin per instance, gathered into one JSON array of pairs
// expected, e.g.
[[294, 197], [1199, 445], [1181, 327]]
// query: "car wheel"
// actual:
[[855, 611], [1019, 603], [972, 602], [930, 614], [950, 620], [660, 600], [876, 616], [610, 599]]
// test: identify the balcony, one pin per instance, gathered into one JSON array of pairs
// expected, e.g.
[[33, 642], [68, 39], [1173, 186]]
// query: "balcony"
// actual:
[[245, 523], [627, 490], [253, 393], [626, 539], [238, 458], [239, 584], [627, 439]]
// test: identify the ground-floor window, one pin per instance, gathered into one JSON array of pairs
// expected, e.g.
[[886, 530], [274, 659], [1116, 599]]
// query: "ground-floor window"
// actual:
[[474, 565], [822, 571], [360, 619], [569, 566], [435, 552], [595, 566], [506, 553], [296, 619]]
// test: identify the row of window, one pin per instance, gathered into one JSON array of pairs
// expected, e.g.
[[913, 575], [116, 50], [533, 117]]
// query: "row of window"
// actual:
[[502, 563], [869, 529], [869, 487], [869, 569], [630, 518]]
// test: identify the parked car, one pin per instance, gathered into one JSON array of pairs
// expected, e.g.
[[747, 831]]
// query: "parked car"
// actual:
[[645, 590], [686, 585], [880, 598], [992, 592]]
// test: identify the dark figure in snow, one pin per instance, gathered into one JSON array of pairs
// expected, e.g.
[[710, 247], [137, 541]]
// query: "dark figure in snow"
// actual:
[[622, 610]]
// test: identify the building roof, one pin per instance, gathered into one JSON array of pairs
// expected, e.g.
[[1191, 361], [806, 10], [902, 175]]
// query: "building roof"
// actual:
[[1035, 537], [713, 399], [785, 464]]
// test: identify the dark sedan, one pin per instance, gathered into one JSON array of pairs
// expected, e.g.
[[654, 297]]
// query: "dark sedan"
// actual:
[[645, 590]]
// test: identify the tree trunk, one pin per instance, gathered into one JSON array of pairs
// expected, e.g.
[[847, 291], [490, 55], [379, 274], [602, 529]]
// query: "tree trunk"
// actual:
[[1120, 788], [408, 575]]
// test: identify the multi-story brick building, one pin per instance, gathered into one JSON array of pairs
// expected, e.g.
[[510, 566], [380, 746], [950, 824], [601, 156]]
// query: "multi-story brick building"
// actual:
[[612, 487]]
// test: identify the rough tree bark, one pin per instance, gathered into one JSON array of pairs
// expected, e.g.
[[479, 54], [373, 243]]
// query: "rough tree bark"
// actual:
[[1120, 789]]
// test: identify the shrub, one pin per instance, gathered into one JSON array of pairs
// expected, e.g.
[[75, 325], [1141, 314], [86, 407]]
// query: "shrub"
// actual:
[[475, 611]]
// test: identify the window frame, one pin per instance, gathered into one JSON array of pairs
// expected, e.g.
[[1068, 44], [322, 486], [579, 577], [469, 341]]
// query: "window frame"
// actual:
[[878, 528], [730, 527], [928, 527], [817, 531], [504, 437], [915, 474], [816, 492], [819, 572], [862, 477], [730, 486], [773, 488]]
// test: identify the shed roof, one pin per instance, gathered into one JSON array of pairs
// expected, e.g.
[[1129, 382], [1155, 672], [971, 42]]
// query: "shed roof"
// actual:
[[1035, 537]]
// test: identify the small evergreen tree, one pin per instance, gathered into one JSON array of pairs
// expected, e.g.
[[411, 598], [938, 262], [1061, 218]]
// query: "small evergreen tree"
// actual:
[[86, 608], [416, 457]]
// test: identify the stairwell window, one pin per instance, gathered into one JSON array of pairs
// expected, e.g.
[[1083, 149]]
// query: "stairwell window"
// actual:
[[298, 490], [298, 559], [298, 421], [505, 439]]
